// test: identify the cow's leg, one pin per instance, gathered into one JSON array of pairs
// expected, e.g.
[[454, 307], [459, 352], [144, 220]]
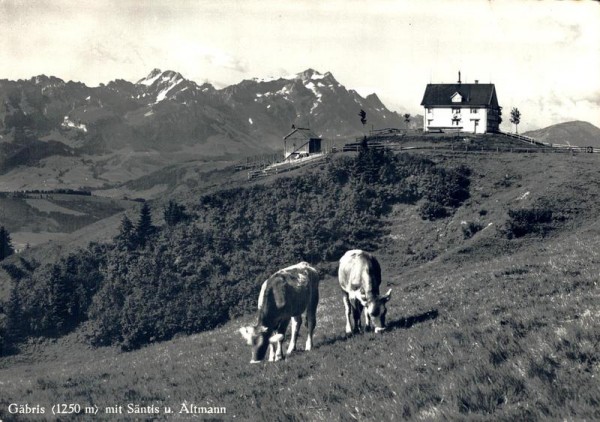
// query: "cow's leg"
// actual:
[[278, 352], [296, 323], [311, 319], [356, 315], [367, 319], [271, 352], [348, 309], [281, 329], [311, 322]]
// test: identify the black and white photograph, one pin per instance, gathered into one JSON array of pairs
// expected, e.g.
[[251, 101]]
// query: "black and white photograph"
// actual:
[[299, 210]]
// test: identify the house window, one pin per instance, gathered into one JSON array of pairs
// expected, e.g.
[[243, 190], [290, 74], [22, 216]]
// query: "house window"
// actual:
[[429, 110], [456, 111], [474, 111], [429, 121]]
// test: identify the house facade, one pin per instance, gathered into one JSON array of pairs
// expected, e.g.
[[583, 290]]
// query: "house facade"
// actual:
[[462, 107], [300, 142]]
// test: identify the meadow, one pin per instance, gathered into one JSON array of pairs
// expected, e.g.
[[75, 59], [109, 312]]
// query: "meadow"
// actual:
[[485, 323]]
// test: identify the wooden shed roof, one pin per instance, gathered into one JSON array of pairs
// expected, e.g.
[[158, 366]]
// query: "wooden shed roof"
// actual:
[[304, 132]]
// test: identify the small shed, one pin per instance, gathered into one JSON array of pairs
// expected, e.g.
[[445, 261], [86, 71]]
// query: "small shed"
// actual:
[[301, 142]]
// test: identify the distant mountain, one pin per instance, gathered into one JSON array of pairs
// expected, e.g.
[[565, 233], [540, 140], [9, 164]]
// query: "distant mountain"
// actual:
[[164, 113], [575, 133]]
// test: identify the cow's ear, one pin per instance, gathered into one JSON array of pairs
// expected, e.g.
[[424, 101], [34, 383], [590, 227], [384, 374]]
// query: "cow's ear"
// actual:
[[247, 332], [276, 338], [386, 296]]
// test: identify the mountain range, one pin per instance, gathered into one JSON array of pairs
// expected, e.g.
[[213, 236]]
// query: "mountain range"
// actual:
[[122, 130], [66, 135]]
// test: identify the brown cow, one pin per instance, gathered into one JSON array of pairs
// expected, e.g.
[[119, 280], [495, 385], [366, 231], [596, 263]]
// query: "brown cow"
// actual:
[[360, 276], [285, 296]]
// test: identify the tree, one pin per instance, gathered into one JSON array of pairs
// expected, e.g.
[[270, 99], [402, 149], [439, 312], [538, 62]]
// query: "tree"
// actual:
[[515, 118], [363, 117], [14, 318], [144, 228], [407, 120], [59, 309], [126, 239], [174, 213], [6, 247]]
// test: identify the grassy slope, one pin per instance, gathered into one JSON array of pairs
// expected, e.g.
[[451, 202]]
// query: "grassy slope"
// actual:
[[37, 218], [489, 329]]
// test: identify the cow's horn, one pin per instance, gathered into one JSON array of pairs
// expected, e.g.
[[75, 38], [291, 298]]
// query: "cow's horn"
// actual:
[[387, 296]]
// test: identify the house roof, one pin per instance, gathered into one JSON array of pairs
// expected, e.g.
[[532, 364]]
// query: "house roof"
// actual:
[[472, 95], [306, 133]]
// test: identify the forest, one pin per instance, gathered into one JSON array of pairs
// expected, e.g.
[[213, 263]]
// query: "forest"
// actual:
[[204, 262]]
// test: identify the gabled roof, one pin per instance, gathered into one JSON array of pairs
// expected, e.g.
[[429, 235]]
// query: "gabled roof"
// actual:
[[472, 95], [306, 133]]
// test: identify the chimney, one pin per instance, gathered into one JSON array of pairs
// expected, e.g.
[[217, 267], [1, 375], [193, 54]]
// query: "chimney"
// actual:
[[476, 81], [459, 77]]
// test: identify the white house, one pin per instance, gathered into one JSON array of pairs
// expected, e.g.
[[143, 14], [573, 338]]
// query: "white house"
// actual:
[[466, 107]]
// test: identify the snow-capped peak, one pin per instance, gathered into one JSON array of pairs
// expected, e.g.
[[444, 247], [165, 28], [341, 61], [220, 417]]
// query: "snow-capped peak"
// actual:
[[160, 85], [151, 78], [309, 74]]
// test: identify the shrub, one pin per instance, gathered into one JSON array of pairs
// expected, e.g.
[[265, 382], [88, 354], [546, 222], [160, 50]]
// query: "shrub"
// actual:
[[470, 229], [432, 211], [528, 221]]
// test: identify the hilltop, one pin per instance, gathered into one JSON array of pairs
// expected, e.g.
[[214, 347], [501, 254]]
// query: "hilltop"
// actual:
[[493, 309], [576, 133]]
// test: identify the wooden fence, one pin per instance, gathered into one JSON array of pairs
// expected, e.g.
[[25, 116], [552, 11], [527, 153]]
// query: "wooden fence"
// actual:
[[521, 150]]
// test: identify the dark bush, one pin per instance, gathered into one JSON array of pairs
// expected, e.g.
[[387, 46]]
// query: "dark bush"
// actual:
[[528, 221], [470, 229], [432, 211]]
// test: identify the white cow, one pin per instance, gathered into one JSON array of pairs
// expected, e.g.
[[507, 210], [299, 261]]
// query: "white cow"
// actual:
[[359, 275]]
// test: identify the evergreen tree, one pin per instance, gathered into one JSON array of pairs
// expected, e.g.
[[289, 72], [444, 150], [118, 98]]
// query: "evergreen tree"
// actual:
[[126, 239], [59, 309], [174, 213], [6, 247], [14, 318], [144, 229]]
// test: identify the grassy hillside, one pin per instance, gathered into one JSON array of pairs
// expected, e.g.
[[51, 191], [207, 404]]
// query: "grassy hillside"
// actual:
[[36, 218], [493, 316], [575, 133]]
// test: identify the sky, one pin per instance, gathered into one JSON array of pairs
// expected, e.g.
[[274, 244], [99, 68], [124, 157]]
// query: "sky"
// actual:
[[542, 56]]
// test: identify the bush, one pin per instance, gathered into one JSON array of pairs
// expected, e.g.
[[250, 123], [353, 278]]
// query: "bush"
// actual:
[[432, 211], [470, 229], [528, 221]]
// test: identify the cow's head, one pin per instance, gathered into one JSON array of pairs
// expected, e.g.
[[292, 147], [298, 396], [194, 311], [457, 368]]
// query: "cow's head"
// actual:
[[259, 337], [377, 310]]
